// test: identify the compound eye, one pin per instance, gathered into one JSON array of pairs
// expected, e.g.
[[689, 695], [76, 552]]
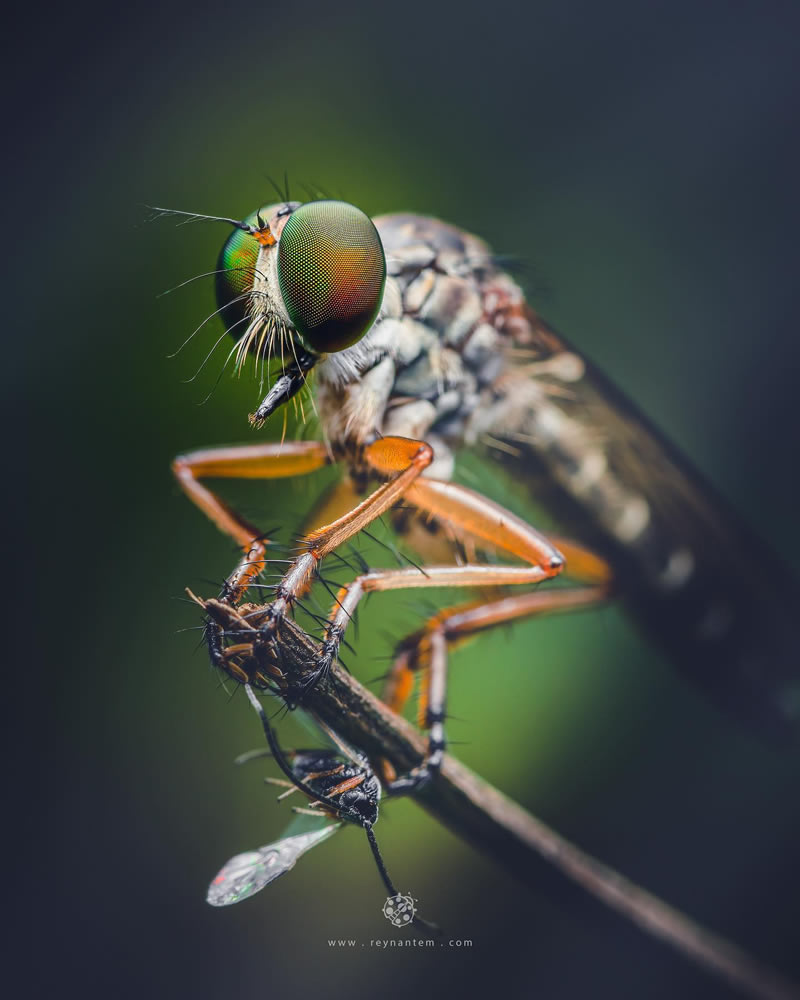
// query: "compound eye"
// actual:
[[236, 268], [331, 270]]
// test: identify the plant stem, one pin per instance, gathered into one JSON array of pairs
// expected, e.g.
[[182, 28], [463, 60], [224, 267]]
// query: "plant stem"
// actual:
[[480, 814]]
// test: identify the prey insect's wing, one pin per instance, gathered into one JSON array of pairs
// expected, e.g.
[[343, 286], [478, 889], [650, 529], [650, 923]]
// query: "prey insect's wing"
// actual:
[[246, 874], [312, 725]]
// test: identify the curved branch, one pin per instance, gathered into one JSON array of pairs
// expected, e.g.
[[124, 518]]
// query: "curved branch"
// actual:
[[480, 814]]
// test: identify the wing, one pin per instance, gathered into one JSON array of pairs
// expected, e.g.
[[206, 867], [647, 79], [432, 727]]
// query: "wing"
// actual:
[[691, 571], [246, 874], [703, 585]]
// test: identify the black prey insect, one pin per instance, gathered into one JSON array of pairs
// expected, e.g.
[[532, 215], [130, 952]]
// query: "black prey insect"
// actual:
[[342, 788]]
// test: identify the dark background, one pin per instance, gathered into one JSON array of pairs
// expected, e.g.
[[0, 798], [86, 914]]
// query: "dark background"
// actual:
[[641, 160]]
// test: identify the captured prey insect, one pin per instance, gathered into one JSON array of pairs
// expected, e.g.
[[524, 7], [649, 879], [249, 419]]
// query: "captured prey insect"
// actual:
[[342, 788], [418, 345]]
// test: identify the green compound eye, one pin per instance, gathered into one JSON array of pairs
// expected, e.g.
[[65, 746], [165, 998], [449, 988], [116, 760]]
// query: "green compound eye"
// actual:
[[235, 271], [331, 270]]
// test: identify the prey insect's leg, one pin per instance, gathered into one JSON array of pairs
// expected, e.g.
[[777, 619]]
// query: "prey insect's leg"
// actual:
[[346, 786], [271, 460]]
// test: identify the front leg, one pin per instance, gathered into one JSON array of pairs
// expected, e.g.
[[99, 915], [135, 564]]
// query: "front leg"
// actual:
[[273, 460], [463, 512], [270, 460], [406, 459]]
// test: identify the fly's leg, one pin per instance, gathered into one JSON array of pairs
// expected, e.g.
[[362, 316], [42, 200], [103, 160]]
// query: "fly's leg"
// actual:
[[453, 626], [264, 461], [460, 623], [271, 460], [401, 458], [427, 650], [464, 512], [461, 510]]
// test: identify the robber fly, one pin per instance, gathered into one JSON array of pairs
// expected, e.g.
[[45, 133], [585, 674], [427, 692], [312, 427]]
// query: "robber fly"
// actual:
[[342, 788], [417, 344]]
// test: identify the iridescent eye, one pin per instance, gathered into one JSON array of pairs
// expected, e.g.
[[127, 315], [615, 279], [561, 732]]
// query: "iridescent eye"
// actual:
[[235, 272], [331, 271]]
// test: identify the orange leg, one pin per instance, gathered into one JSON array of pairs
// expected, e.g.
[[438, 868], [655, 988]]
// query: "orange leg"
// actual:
[[264, 461], [464, 512], [455, 625], [426, 650], [457, 506], [401, 458]]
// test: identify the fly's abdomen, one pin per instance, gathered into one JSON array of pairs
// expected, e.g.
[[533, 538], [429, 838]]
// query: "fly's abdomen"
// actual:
[[690, 571]]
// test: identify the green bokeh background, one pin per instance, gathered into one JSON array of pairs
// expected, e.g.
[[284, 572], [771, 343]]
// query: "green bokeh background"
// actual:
[[639, 161]]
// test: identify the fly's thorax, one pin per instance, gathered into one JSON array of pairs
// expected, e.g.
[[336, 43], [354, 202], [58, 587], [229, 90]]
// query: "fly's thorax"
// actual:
[[352, 413], [353, 387], [434, 352]]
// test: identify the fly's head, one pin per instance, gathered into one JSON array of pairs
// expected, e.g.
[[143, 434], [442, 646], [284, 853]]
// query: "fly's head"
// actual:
[[297, 283], [248, 292]]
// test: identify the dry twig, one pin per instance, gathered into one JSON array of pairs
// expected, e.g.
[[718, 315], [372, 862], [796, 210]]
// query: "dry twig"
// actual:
[[487, 819]]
